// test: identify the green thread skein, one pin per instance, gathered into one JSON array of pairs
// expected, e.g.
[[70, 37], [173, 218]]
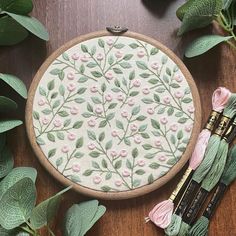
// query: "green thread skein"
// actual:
[[199, 174], [200, 228]]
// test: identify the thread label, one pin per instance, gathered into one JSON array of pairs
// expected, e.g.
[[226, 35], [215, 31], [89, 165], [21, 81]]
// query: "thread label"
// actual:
[[214, 116], [224, 122]]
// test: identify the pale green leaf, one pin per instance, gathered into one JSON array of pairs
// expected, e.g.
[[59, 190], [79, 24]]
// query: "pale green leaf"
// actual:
[[44, 212], [15, 83], [17, 204], [6, 161], [203, 44], [6, 125], [31, 24], [21, 7], [7, 104]]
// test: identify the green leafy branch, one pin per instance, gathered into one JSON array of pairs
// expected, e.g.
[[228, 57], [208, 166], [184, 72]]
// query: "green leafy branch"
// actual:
[[15, 22], [198, 14]]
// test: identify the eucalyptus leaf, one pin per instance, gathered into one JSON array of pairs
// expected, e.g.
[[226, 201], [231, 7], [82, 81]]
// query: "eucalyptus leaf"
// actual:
[[14, 176], [203, 44], [6, 125], [11, 32], [17, 204], [200, 14], [21, 7], [7, 104], [31, 24], [183, 9], [15, 84], [2, 141], [6, 162], [43, 213]]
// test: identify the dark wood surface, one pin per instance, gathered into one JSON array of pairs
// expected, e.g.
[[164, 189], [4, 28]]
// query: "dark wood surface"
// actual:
[[66, 19]]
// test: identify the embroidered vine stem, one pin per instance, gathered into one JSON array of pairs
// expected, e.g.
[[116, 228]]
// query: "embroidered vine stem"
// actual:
[[68, 160], [126, 129], [117, 172], [145, 48], [73, 66]]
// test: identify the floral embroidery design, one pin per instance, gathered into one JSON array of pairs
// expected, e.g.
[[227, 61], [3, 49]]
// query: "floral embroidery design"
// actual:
[[113, 113]]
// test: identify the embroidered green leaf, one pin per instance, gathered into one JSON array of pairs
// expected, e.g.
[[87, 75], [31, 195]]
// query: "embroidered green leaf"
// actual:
[[154, 51], [101, 136], [147, 146], [51, 85], [150, 179], [81, 90], [94, 154], [170, 111], [118, 164], [140, 172], [108, 145], [82, 79], [54, 95], [203, 44], [90, 65], [78, 124], [40, 141], [135, 153], [135, 110], [119, 45], [150, 155], [141, 118], [145, 135], [95, 165], [82, 68], [91, 135], [75, 178], [125, 65], [136, 183], [153, 81], [103, 87], [164, 59], [155, 124], [142, 128], [89, 107], [133, 93], [102, 124], [104, 163], [144, 75], [182, 120], [78, 155], [180, 134], [46, 111], [6, 125], [156, 98], [52, 152], [128, 164], [59, 161], [56, 104], [108, 175], [132, 75], [119, 124], [111, 116], [96, 74], [65, 56], [51, 137], [36, 115], [142, 65], [93, 50], [106, 188], [42, 91], [134, 45], [79, 142], [127, 57], [171, 162], [127, 141], [20, 199], [67, 122], [88, 172], [112, 105], [55, 71], [147, 100], [154, 165], [168, 71], [172, 139], [117, 70], [101, 43], [63, 113], [79, 100], [84, 48], [117, 83], [111, 60]]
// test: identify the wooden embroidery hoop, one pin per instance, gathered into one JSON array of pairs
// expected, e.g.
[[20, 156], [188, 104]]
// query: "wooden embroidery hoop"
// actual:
[[124, 194]]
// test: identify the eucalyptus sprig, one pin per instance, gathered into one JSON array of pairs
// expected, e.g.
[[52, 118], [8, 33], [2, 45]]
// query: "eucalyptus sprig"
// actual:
[[15, 22], [196, 14]]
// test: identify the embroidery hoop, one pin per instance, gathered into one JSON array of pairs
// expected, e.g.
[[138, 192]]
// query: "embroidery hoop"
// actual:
[[123, 194]]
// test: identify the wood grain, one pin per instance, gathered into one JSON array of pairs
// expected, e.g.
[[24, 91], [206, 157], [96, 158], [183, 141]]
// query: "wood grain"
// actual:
[[66, 19]]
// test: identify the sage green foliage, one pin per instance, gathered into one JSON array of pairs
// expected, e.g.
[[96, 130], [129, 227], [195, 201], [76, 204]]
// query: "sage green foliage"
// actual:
[[81, 217], [174, 226], [196, 14], [200, 228], [15, 22]]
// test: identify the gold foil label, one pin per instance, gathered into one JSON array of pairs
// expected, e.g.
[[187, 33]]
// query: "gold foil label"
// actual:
[[214, 116], [230, 133], [220, 130], [180, 184]]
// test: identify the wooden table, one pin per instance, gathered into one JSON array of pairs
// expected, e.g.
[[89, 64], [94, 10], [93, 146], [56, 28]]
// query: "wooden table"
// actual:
[[66, 19]]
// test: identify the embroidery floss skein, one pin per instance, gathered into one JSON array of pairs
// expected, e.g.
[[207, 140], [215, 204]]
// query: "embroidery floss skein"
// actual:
[[210, 181], [200, 228], [204, 167], [161, 213]]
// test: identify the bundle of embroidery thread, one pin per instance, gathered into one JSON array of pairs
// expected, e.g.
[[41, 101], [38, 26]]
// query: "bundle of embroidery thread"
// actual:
[[201, 172], [200, 228], [210, 181], [162, 212]]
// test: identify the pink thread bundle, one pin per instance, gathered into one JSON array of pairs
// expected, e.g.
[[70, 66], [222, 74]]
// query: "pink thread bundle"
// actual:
[[161, 214]]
